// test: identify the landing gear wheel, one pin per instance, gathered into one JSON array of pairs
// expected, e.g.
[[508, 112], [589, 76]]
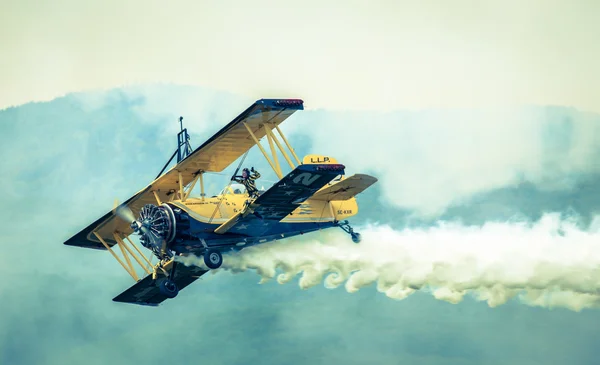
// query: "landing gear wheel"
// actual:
[[213, 259], [345, 226], [168, 288]]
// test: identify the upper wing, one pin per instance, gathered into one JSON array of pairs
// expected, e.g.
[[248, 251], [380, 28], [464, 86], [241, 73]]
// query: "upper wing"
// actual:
[[222, 149], [346, 188]]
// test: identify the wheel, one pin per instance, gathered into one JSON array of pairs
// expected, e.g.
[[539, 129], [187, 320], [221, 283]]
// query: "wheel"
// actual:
[[213, 259], [356, 237], [168, 288]]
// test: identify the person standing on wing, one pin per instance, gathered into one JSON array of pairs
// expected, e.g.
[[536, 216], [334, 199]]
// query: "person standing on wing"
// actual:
[[249, 181]]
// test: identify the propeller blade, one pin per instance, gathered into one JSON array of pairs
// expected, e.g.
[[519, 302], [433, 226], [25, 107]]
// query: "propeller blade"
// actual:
[[123, 212]]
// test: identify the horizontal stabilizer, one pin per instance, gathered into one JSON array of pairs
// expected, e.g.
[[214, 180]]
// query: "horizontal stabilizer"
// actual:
[[145, 292], [346, 188]]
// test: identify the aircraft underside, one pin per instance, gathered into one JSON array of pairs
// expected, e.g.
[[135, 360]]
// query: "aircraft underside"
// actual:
[[185, 234], [236, 242]]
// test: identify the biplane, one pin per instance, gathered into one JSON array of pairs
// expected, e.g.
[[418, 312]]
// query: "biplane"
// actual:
[[173, 223]]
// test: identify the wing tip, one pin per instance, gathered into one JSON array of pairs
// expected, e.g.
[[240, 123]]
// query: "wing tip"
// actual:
[[367, 177], [77, 241], [283, 103], [145, 304]]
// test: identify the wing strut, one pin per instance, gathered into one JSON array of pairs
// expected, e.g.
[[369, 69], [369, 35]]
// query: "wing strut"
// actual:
[[273, 160], [275, 168], [128, 269], [285, 155], [287, 144]]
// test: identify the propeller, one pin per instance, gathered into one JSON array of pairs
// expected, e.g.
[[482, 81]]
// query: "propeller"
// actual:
[[123, 212], [149, 226]]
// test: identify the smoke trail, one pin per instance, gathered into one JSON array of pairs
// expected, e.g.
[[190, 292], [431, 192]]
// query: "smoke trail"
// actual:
[[551, 263]]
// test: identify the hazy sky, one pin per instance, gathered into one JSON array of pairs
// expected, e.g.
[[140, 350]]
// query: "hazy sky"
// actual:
[[90, 149], [350, 54], [65, 161]]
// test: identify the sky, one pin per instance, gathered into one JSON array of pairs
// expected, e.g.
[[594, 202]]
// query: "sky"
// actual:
[[511, 277], [359, 55], [478, 118]]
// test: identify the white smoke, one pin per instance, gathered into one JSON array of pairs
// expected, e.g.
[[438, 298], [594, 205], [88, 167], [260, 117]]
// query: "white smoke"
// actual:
[[550, 264]]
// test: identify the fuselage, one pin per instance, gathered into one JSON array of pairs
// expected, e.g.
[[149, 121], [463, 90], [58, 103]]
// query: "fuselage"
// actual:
[[197, 219]]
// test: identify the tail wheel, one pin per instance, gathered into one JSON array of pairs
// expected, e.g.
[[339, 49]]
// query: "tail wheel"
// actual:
[[345, 226], [213, 259], [168, 288]]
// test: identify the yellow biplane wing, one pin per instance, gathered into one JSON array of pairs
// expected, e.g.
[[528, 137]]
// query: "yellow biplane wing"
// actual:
[[218, 152], [345, 189]]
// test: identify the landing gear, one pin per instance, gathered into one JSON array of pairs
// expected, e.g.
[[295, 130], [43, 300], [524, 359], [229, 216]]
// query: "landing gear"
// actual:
[[346, 227], [213, 259], [168, 288]]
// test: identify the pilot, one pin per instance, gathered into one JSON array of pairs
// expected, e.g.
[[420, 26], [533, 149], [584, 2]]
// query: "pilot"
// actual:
[[249, 181]]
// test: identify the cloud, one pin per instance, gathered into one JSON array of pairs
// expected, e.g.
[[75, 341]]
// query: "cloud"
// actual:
[[551, 263], [427, 161], [430, 160], [66, 163]]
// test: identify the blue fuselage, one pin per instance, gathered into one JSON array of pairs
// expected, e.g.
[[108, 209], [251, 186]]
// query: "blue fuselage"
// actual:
[[193, 237]]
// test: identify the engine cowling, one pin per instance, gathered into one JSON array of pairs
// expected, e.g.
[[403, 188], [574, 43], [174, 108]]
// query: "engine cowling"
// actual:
[[155, 225]]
